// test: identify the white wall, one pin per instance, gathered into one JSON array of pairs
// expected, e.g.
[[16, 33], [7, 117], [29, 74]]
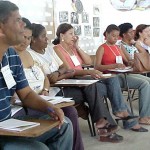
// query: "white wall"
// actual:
[[110, 15]]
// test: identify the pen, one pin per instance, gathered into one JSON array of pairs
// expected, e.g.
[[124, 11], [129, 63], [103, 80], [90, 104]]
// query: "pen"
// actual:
[[50, 110]]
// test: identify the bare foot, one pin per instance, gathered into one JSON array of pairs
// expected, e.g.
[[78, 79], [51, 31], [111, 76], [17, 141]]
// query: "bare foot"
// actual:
[[101, 123], [122, 114], [137, 126], [145, 120]]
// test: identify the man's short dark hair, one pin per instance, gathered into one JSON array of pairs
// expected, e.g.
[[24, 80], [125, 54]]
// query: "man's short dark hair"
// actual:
[[6, 8]]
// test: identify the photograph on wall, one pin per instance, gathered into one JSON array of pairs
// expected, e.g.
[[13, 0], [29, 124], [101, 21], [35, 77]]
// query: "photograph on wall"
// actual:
[[96, 32], [77, 29], [74, 18], [63, 16], [87, 30], [95, 22], [85, 17], [96, 10]]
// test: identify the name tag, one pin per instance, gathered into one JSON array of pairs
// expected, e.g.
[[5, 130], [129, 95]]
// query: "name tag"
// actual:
[[75, 60], [119, 60], [7, 74]]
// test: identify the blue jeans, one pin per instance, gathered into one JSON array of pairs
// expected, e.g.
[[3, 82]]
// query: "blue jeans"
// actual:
[[69, 112], [111, 88], [52, 139], [142, 83], [114, 93], [12, 143], [57, 139]]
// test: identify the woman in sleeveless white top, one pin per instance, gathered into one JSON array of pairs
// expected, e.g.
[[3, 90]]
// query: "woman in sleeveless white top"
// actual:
[[35, 77]]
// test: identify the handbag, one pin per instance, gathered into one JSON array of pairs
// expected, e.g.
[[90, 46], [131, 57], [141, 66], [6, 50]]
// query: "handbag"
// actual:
[[141, 62]]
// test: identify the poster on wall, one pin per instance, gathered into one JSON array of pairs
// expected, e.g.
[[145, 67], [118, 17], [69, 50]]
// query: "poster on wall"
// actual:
[[96, 10], [63, 16], [96, 32], [74, 18], [87, 30], [96, 22], [77, 29], [85, 17], [126, 5]]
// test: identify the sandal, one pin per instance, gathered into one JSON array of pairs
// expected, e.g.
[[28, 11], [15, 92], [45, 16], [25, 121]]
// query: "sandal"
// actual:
[[108, 129], [141, 129], [146, 122], [125, 118], [113, 138]]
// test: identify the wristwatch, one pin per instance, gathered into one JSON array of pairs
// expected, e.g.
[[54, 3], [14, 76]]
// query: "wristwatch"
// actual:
[[59, 73], [45, 89]]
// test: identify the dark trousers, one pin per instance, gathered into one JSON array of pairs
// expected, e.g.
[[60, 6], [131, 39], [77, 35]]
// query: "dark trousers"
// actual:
[[93, 95], [72, 114]]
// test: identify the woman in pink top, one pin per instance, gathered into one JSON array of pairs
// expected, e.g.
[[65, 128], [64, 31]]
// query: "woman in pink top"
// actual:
[[70, 57]]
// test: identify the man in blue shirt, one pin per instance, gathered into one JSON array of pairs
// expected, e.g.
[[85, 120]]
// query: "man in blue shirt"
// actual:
[[12, 79]]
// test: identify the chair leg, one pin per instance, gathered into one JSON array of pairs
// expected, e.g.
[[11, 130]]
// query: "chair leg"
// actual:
[[90, 127], [94, 133], [105, 101]]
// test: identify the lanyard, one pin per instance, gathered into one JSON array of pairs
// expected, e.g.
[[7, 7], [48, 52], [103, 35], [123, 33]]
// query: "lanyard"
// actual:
[[73, 57], [66, 51], [6, 61], [112, 50]]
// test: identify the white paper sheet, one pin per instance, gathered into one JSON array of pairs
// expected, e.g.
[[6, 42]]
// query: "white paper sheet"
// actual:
[[56, 99], [74, 81], [126, 69], [17, 125]]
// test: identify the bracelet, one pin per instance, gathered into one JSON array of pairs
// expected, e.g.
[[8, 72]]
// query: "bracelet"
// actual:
[[45, 89]]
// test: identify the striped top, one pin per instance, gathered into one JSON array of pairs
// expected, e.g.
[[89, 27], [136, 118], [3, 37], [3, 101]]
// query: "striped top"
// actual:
[[11, 58]]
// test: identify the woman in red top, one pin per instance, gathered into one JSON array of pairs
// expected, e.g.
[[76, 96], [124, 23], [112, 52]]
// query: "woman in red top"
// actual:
[[110, 56]]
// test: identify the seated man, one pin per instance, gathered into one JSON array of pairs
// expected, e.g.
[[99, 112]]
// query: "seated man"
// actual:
[[12, 79]]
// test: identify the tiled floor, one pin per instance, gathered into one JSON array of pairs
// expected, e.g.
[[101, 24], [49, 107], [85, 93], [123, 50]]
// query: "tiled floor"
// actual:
[[132, 140]]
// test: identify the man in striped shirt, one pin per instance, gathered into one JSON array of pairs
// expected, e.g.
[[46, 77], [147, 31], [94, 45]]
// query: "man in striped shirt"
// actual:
[[12, 79]]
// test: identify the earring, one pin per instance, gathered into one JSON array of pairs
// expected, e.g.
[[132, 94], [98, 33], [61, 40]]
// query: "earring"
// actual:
[[62, 40]]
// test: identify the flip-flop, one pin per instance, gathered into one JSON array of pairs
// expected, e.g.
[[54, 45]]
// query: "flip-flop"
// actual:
[[141, 129], [125, 118]]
